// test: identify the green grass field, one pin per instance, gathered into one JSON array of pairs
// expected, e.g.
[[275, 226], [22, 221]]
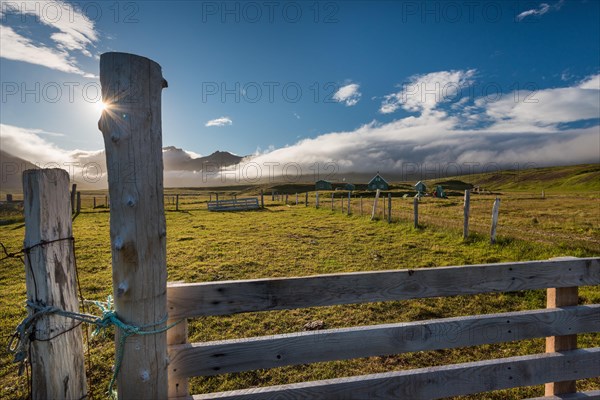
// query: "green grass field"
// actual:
[[294, 240]]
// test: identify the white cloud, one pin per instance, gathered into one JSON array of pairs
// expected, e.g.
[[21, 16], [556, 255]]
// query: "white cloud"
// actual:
[[348, 94], [74, 33], [541, 10], [591, 82], [19, 48], [223, 121], [422, 93]]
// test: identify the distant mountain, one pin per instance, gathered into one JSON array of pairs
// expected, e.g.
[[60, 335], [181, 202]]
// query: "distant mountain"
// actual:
[[176, 159], [11, 169]]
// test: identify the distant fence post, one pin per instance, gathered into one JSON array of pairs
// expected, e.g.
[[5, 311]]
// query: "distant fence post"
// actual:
[[57, 360], [78, 202], [176, 202], [342, 203], [73, 194], [133, 137], [306, 200], [272, 195], [416, 211], [389, 208], [94, 201], [332, 201], [349, 194], [262, 199], [296, 198], [317, 200], [494, 220], [466, 208], [374, 213], [555, 298]]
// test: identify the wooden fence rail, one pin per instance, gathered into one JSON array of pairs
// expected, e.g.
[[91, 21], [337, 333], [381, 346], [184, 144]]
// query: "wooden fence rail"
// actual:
[[189, 300]]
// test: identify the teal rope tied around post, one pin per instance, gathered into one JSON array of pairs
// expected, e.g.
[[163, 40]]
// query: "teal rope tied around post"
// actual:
[[24, 331]]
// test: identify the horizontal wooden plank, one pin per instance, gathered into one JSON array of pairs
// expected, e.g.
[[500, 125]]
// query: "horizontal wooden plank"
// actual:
[[213, 358], [590, 395], [436, 382], [230, 297]]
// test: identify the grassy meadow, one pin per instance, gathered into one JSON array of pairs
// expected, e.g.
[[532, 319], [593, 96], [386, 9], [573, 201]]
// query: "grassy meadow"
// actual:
[[296, 240]]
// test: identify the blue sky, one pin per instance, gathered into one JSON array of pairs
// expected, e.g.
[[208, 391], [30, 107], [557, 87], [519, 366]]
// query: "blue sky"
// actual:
[[291, 79]]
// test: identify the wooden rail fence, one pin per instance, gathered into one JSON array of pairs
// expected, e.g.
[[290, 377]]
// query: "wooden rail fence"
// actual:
[[193, 300]]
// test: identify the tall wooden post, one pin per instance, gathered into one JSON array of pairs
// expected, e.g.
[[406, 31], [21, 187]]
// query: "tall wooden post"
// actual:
[[306, 200], [262, 199], [56, 356], [94, 201], [78, 210], [131, 126], [495, 210], [416, 211], [389, 208], [466, 209], [555, 298], [374, 213], [73, 194]]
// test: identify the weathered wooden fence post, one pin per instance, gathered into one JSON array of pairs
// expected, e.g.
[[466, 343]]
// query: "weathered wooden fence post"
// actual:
[[466, 208], [262, 199], [73, 194], [555, 298], [132, 131], [78, 209], [94, 201], [331, 201], [416, 211], [57, 364], [374, 213], [306, 200], [389, 208], [176, 202], [494, 220], [342, 204], [178, 386], [349, 194]]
